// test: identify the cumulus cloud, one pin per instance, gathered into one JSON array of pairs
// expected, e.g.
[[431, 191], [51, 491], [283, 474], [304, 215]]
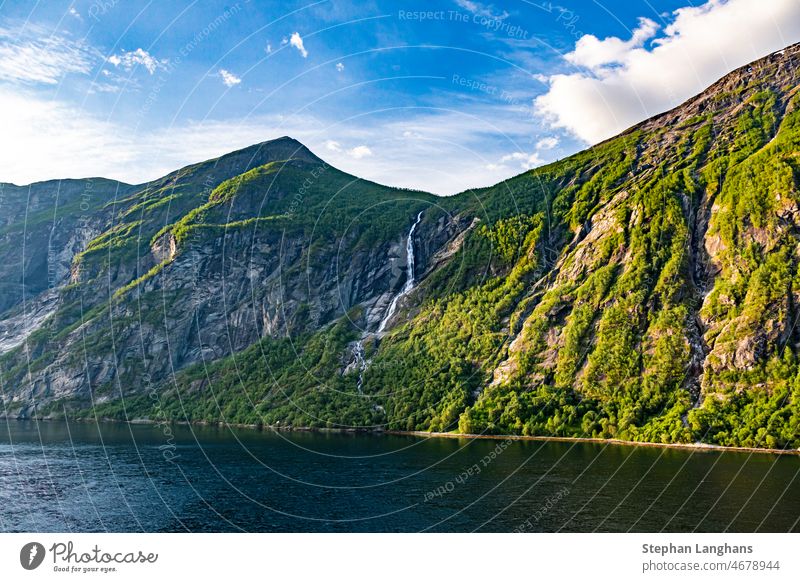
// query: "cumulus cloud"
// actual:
[[229, 78], [359, 152], [525, 161], [140, 57], [594, 54], [297, 42], [340, 67], [333, 146], [547, 143], [33, 55], [621, 82]]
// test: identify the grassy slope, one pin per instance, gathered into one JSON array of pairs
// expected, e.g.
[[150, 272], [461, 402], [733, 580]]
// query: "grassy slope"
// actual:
[[604, 333], [588, 302]]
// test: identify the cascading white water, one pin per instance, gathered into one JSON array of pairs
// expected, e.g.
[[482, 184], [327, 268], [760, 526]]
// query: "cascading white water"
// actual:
[[409, 276], [361, 362], [358, 349]]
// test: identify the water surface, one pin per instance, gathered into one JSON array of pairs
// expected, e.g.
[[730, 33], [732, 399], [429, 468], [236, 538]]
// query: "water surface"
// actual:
[[81, 477]]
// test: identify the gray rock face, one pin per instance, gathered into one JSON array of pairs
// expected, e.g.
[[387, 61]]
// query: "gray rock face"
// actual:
[[26, 319], [214, 299], [117, 324], [43, 227]]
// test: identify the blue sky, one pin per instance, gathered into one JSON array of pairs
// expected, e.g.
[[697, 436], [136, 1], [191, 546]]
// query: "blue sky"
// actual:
[[441, 96]]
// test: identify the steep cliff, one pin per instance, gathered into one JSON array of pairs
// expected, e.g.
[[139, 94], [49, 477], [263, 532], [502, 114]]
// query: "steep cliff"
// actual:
[[644, 289]]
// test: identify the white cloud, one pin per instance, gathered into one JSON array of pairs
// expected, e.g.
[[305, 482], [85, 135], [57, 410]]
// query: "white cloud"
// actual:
[[100, 87], [229, 78], [77, 143], [450, 152], [340, 67], [481, 10], [75, 13], [593, 53], [31, 54], [622, 82], [297, 42], [269, 48], [547, 143], [359, 152], [140, 57], [526, 161], [38, 129]]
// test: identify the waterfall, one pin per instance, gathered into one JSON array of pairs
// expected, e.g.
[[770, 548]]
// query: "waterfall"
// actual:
[[358, 349], [358, 353], [409, 276]]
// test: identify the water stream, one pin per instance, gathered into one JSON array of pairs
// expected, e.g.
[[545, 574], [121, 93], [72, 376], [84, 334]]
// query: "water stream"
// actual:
[[358, 350], [409, 285], [361, 362]]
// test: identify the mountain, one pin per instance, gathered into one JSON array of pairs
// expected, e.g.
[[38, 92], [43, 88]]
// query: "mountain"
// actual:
[[644, 289]]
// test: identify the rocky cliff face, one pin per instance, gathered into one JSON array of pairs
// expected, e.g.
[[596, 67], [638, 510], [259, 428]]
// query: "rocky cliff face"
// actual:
[[43, 227], [239, 261], [643, 289], [670, 315]]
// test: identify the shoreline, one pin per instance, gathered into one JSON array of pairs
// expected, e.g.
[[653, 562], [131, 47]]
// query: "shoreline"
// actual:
[[703, 447]]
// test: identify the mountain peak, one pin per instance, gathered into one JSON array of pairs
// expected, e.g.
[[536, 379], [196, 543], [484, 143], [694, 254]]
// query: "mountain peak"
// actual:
[[215, 170], [282, 148]]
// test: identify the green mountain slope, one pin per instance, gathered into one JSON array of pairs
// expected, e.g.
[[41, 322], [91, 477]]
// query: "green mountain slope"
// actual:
[[644, 289]]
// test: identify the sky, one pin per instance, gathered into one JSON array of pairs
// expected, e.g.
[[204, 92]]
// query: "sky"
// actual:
[[440, 96]]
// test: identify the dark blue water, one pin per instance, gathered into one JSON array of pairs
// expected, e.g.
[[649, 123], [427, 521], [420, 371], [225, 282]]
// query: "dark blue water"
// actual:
[[116, 477]]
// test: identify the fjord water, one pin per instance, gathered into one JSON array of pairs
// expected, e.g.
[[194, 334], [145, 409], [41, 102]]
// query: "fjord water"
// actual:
[[77, 477]]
